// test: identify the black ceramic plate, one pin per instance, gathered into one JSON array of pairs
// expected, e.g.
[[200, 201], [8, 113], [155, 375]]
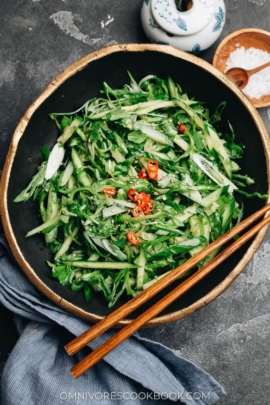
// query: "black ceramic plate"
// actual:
[[82, 81]]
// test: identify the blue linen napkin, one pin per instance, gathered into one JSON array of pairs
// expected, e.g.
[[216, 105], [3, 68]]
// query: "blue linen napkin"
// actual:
[[37, 371]]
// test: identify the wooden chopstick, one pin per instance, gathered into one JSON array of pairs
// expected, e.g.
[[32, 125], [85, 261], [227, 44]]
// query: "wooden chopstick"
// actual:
[[106, 323], [134, 303]]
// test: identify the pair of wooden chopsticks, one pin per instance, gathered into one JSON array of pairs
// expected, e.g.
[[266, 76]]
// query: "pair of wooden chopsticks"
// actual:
[[78, 343]]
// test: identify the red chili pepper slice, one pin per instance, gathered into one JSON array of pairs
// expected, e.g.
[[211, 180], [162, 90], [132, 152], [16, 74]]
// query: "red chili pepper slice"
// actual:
[[143, 199], [137, 211], [142, 174], [181, 128], [149, 208], [151, 205], [109, 191], [147, 211], [132, 195], [133, 238], [152, 168]]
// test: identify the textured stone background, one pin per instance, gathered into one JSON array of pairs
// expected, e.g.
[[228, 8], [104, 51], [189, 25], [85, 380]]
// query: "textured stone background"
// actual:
[[230, 338]]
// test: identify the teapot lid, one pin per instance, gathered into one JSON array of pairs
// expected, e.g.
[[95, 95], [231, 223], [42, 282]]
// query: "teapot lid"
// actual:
[[175, 22]]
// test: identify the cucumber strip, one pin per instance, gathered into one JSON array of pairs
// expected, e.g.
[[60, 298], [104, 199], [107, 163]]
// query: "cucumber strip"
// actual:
[[140, 261], [83, 178], [69, 130], [67, 173], [47, 226], [66, 244], [189, 211], [214, 142], [213, 197], [103, 265], [153, 134], [149, 283], [53, 206]]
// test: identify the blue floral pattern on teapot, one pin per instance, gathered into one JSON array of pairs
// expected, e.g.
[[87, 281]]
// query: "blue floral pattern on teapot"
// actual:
[[193, 30]]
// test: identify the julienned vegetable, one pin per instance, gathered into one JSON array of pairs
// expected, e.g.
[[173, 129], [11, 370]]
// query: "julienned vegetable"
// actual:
[[147, 182]]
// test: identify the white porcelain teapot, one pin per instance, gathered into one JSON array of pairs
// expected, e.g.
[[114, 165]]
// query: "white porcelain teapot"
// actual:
[[190, 25]]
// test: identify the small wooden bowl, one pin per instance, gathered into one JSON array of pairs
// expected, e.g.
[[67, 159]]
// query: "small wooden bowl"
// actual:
[[248, 37]]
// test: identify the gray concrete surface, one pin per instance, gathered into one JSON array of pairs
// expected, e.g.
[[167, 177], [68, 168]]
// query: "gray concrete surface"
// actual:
[[230, 338]]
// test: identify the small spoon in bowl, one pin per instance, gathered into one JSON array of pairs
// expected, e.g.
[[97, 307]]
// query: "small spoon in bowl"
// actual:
[[241, 76]]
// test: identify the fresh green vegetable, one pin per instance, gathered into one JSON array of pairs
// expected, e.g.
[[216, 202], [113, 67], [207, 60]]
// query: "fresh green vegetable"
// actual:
[[146, 183]]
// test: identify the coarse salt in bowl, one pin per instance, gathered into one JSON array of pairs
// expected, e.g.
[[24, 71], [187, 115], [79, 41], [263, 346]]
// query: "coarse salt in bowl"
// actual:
[[247, 48], [259, 83]]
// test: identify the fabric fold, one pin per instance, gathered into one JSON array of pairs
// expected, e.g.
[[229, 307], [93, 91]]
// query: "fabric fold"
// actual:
[[37, 371]]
